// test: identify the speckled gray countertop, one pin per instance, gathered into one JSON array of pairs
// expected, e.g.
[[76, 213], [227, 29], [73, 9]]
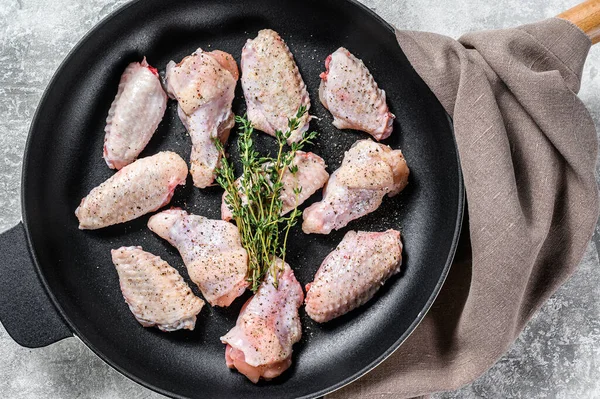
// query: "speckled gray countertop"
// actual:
[[558, 354]]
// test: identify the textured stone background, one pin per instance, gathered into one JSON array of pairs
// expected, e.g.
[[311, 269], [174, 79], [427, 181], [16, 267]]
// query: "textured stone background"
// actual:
[[558, 354]]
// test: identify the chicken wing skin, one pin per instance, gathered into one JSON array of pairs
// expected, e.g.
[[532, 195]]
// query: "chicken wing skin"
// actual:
[[211, 250], [351, 274], [273, 87], [134, 114], [311, 176], [350, 93], [139, 188], [204, 86], [260, 344], [369, 171], [155, 292]]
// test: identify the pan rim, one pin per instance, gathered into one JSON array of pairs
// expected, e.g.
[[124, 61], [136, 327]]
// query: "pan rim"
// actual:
[[24, 177]]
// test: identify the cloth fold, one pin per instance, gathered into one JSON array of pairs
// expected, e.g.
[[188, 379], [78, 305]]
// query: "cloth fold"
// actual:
[[528, 150]]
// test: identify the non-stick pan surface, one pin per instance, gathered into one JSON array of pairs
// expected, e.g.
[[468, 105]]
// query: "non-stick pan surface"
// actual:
[[64, 162]]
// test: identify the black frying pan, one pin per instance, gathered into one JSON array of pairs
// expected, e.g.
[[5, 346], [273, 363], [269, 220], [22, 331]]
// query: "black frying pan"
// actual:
[[68, 286]]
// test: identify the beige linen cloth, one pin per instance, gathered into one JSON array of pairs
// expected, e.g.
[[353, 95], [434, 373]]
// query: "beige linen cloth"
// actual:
[[528, 151]]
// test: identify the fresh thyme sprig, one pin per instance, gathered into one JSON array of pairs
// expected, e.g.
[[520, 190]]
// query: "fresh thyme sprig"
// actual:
[[255, 198]]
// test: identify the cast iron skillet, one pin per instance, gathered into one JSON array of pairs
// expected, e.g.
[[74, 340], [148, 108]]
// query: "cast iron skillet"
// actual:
[[58, 281]]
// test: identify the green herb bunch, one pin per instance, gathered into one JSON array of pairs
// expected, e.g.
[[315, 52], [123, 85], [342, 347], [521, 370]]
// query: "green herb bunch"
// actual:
[[255, 198]]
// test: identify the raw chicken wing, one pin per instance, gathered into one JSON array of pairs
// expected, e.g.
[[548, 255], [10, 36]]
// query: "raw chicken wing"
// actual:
[[211, 250], [351, 274], [369, 171], [272, 84], [311, 176], [155, 292], [139, 188], [134, 114], [204, 86], [260, 344], [350, 93]]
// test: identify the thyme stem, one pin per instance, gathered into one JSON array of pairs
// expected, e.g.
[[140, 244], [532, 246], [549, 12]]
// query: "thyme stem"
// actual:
[[255, 198]]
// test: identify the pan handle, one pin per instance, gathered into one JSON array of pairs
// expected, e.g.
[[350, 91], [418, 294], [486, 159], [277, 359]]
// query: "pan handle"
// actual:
[[587, 17], [26, 311]]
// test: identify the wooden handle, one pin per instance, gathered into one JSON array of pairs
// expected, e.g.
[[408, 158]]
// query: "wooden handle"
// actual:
[[587, 17]]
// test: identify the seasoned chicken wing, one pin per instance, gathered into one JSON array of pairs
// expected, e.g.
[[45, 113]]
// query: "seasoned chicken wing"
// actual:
[[211, 250], [204, 86], [139, 188], [310, 176], [134, 114], [369, 171], [350, 93], [155, 292], [351, 274], [272, 84], [260, 344]]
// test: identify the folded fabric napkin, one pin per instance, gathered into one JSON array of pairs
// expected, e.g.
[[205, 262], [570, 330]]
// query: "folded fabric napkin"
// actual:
[[528, 150]]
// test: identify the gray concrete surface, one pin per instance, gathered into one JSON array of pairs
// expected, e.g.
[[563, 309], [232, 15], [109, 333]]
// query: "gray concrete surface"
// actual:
[[558, 354]]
